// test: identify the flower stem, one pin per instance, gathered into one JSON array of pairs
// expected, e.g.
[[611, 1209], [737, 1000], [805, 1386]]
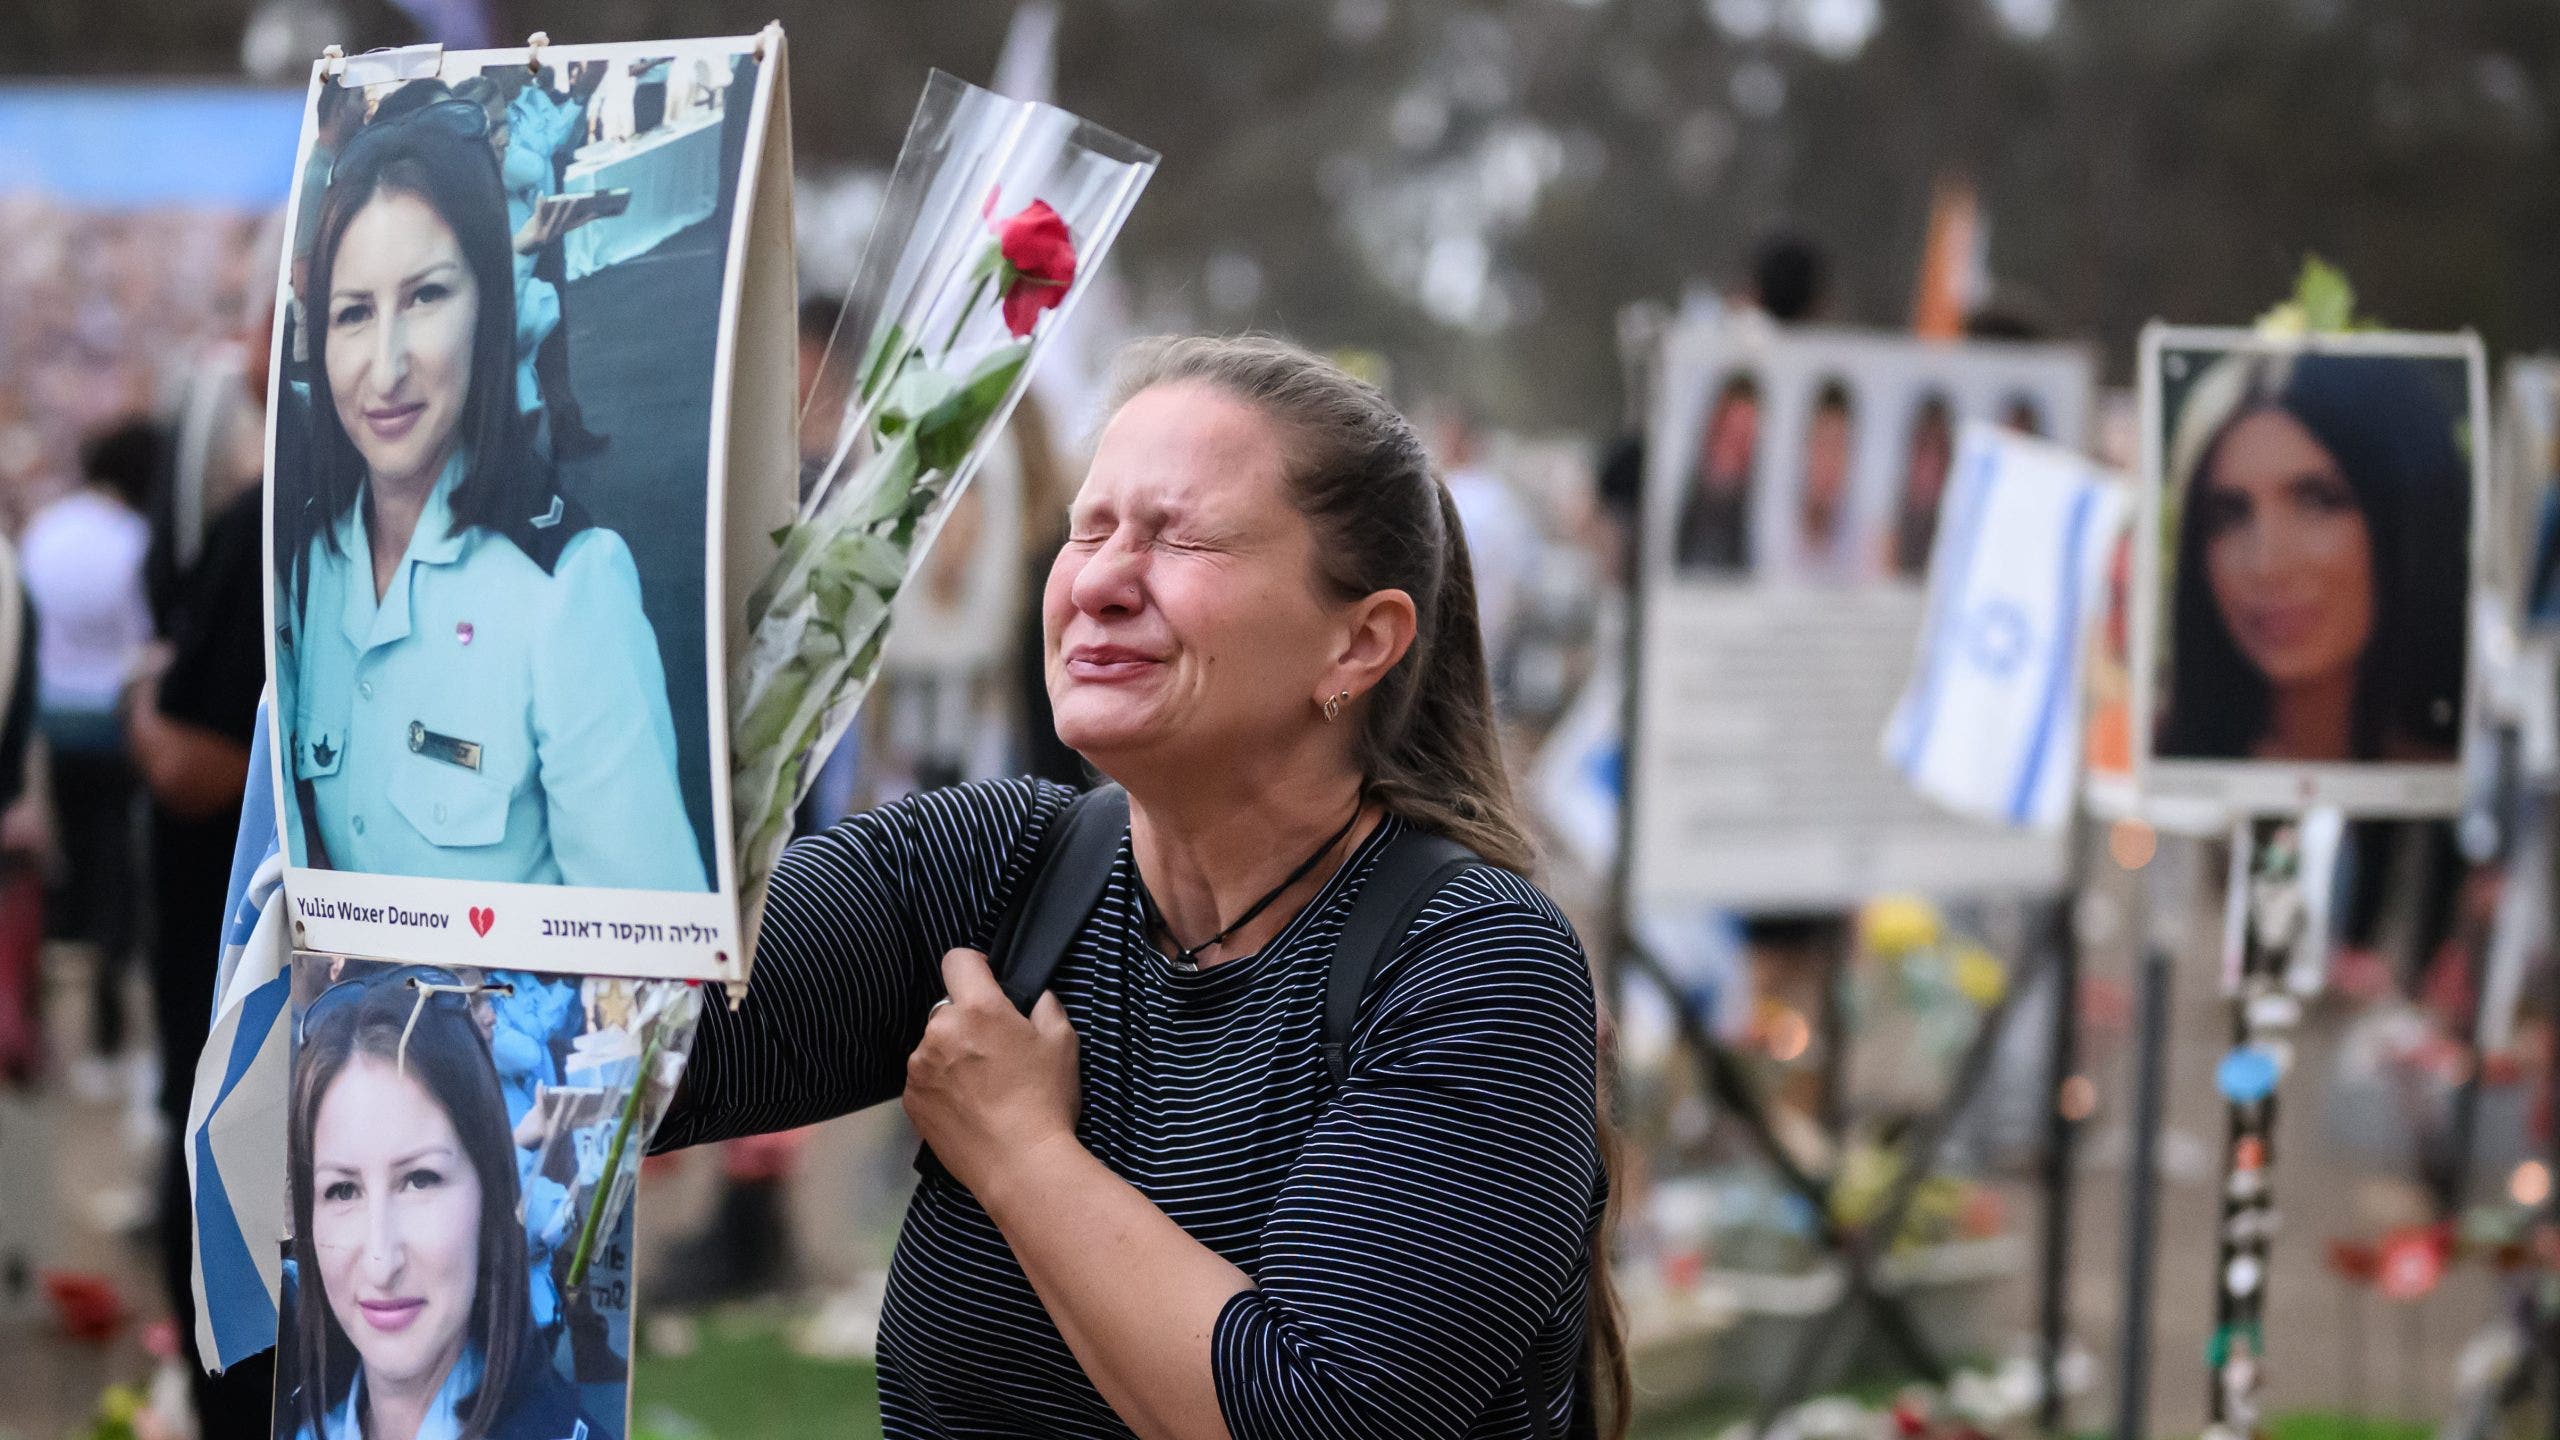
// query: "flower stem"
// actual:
[[977, 292], [613, 1157]]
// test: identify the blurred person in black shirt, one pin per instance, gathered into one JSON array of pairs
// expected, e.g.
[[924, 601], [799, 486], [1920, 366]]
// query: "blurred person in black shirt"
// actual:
[[22, 838], [189, 720]]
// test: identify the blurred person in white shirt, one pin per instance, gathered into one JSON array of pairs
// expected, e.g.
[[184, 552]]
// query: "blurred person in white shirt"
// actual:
[[1502, 541], [82, 558]]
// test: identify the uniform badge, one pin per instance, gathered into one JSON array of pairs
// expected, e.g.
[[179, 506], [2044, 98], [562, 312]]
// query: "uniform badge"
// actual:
[[423, 741]]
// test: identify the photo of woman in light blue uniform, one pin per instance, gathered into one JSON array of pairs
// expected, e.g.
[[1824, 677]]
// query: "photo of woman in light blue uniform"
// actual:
[[407, 1312], [469, 684]]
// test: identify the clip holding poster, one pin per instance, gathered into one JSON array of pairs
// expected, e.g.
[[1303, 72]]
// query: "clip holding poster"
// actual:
[[499, 562], [2305, 641], [383, 67]]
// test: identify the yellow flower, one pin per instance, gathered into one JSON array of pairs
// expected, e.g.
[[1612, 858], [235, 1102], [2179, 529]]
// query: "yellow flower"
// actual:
[[1979, 976], [1899, 924]]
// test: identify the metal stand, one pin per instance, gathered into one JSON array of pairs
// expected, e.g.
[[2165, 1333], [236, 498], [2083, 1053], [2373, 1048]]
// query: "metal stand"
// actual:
[[2142, 1196], [1862, 1249], [2550, 1318], [1837, 947], [2060, 1142], [1733, 1090]]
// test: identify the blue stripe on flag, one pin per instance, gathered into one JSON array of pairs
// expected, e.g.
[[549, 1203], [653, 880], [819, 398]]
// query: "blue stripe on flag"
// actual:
[[257, 1017], [256, 840], [235, 1293], [1974, 496], [2065, 660]]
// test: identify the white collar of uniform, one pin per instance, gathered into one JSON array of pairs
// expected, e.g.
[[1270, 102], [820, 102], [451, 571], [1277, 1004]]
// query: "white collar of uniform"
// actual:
[[443, 1422], [432, 543]]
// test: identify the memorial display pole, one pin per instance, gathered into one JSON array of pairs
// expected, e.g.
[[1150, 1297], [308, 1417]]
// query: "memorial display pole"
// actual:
[[2267, 890], [2061, 1133], [2547, 1242], [2142, 1194]]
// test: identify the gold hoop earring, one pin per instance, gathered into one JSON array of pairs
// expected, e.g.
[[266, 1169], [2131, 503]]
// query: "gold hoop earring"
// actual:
[[1333, 707]]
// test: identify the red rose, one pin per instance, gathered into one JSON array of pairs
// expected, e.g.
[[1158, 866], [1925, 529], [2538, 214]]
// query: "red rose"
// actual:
[[1040, 263]]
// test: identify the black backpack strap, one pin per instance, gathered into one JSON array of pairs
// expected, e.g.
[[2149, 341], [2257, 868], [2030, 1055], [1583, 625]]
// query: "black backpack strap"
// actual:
[[1071, 865], [1415, 866], [1076, 854], [1412, 870]]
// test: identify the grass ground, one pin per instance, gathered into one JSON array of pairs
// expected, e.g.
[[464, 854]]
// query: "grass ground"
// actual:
[[743, 1379]]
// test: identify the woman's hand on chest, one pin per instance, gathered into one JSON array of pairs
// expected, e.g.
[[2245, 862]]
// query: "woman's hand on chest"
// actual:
[[989, 1088]]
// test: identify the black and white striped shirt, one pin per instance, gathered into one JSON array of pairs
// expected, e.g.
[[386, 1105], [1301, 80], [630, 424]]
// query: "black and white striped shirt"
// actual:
[[1415, 1241]]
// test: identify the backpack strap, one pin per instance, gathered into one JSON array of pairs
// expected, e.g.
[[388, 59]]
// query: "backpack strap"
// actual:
[[1076, 854], [1070, 866], [1416, 864]]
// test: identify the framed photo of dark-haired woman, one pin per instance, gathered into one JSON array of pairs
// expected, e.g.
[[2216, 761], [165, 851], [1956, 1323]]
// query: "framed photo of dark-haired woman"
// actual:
[[460, 1150], [501, 449], [2309, 542]]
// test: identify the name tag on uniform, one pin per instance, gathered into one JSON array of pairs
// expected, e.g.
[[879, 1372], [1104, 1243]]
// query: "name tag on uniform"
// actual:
[[423, 741]]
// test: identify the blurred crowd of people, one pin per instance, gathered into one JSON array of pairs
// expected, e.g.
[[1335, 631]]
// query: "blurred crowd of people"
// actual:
[[131, 448]]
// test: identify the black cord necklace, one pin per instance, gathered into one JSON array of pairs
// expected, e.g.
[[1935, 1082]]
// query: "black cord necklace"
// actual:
[[1187, 957]]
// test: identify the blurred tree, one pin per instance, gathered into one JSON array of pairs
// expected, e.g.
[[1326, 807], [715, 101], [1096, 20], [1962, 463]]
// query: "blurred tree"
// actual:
[[1474, 187]]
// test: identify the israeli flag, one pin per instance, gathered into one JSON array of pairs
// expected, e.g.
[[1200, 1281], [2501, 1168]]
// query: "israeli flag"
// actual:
[[236, 1117], [1990, 726]]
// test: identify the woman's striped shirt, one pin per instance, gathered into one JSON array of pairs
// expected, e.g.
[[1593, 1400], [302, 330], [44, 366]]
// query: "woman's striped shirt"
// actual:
[[1416, 1241]]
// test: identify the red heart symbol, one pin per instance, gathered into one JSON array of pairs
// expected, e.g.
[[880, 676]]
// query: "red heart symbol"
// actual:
[[482, 919]]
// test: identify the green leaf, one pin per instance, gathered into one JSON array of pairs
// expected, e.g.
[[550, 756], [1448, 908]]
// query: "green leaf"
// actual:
[[762, 729], [794, 540], [916, 393], [865, 558], [2328, 302], [834, 592], [944, 434], [2322, 303], [890, 350], [887, 479]]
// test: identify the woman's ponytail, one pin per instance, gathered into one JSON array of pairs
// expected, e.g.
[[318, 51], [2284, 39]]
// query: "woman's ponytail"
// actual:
[[1433, 753]]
